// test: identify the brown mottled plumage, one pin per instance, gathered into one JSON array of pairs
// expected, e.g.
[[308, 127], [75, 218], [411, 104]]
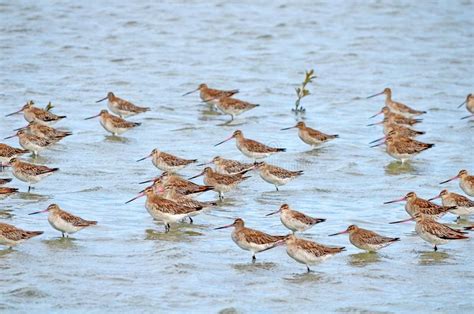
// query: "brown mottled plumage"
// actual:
[[168, 162], [251, 148], [398, 107], [38, 115], [5, 180], [114, 124], [466, 182], [415, 204], [295, 220], [276, 175], [63, 221], [229, 166], [365, 239], [435, 232], [311, 136], [222, 183], [181, 185], [233, 106], [30, 173], [31, 142], [210, 95], [463, 205], [7, 152], [309, 252], [11, 235], [48, 132], [396, 118], [122, 107], [252, 240], [7, 191], [162, 209]]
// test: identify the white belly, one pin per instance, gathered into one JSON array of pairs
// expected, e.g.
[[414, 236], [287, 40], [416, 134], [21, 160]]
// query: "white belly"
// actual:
[[428, 237], [293, 224], [158, 162], [115, 108], [108, 126], [251, 154], [8, 242], [272, 179], [63, 226], [467, 188]]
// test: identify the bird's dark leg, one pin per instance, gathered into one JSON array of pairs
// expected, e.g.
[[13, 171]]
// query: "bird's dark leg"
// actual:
[[276, 187], [190, 220], [307, 267], [167, 228], [29, 188], [435, 248], [253, 258], [62, 234]]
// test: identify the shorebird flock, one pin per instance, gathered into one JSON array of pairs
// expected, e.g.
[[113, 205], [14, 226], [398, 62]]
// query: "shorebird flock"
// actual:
[[171, 199]]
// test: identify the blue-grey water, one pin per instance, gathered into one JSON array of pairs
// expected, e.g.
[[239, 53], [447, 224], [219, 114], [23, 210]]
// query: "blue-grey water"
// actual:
[[73, 52]]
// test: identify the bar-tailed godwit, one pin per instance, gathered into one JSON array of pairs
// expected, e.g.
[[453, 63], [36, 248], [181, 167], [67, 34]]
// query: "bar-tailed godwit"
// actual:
[[114, 124], [11, 235], [366, 240], [122, 107], [463, 205], [398, 107], [434, 232], [309, 252], [233, 106], [48, 132], [7, 152], [162, 209], [181, 185], [395, 118], [63, 221], [251, 148], [5, 191], [403, 148], [228, 166], [311, 136], [222, 183], [30, 173], [469, 105], [210, 95], [41, 116], [415, 204], [31, 142], [167, 162], [402, 130], [295, 220], [5, 180], [252, 240], [466, 182], [276, 175]]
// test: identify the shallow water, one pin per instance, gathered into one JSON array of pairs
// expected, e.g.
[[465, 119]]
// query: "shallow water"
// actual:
[[73, 53]]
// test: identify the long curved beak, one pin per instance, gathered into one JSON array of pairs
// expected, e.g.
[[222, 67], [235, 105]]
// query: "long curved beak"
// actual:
[[272, 213], [194, 90], [471, 115], [102, 99], [291, 127], [9, 136], [462, 104], [223, 227], [401, 221], [377, 123], [375, 95], [142, 193], [338, 233], [38, 212], [433, 198], [397, 200], [198, 175], [379, 139], [11, 114], [144, 158], [453, 178], [227, 139], [380, 112], [92, 117]]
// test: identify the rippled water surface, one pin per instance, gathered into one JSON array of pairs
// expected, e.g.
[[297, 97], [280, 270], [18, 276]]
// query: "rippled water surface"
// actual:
[[73, 52]]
